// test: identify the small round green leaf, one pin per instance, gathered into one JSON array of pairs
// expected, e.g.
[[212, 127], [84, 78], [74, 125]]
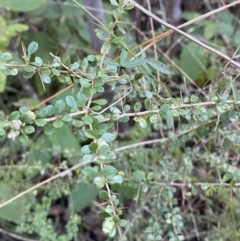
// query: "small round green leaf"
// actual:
[[46, 79], [48, 129], [123, 223], [57, 123], [40, 122], [71, 102], [109, 209], [108, 171], [99, 181], [59, 106], [108, 137], [103, 195], [90, 134], [116, 179], [29, 129], [89, 171], [142, 122]]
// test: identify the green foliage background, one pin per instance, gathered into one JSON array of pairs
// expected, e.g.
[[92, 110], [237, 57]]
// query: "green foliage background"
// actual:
[[156, 160]]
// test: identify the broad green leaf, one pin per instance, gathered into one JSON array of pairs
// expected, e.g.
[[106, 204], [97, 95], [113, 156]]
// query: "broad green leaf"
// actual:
[[15, 29], [194, 56], [14, 116], [22, 5], [123, 56], [157, 65], [82, 195], [132, 63], [32, 48], [71, 102]]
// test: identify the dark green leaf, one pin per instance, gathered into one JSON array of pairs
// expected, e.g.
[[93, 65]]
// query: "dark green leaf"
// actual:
[[103, 195], [104, 215]]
